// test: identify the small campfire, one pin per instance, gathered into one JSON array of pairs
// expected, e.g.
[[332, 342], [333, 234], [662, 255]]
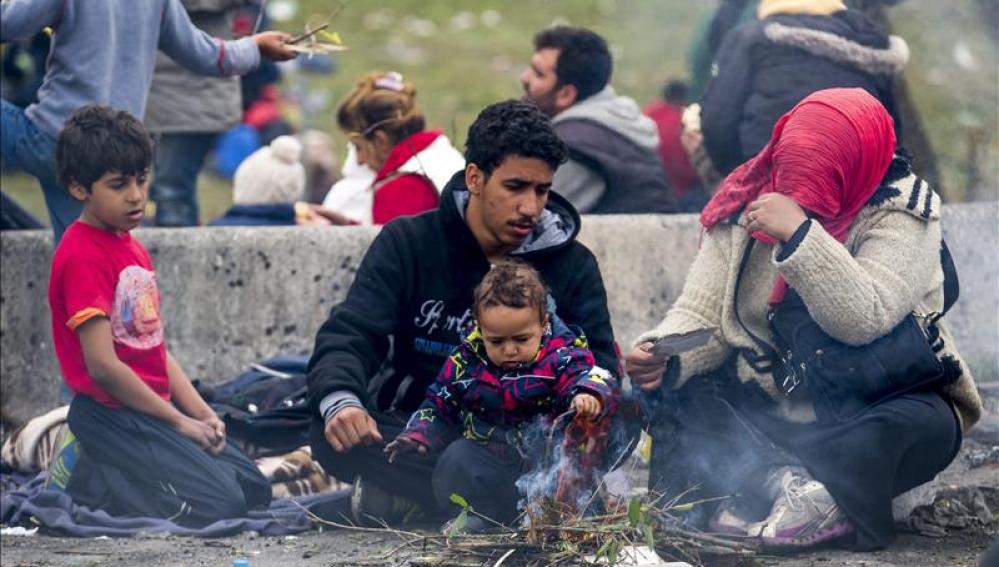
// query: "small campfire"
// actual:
[[551, 536]]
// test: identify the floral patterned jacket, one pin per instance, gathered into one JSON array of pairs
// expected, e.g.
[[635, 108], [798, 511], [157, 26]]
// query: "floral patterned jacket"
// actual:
[[483, 401]]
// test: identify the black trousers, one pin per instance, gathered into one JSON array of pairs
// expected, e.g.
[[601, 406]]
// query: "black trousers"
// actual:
[[408, 476], [136, 465], [722, 439], [484, 476]]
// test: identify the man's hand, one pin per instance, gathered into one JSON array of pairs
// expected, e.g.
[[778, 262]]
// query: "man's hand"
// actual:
[[587, 406], [404, 445], [203, 435], [349, 427], [775, 215], [273, 45], [645, 368]]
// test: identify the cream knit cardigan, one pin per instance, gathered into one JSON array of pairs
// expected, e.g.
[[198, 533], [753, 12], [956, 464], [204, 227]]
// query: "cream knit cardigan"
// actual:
[[889, 267]]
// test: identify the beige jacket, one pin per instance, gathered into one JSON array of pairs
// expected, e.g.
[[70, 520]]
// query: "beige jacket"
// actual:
[[889, 267]]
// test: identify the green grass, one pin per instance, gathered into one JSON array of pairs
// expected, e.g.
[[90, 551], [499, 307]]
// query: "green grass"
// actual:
[[214, 195], [457, 72]]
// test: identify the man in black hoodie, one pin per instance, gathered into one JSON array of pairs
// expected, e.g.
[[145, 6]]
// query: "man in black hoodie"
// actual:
[[412, 296]]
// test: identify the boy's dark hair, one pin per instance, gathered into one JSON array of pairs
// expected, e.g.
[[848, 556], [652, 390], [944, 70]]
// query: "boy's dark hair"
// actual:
[[584, 61], [511, 283], [675, 91], [97, 139], [512, 127]]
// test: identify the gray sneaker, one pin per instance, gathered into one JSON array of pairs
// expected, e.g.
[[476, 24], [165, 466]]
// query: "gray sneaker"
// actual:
[[370, 504], [727, 521], [803, 515]]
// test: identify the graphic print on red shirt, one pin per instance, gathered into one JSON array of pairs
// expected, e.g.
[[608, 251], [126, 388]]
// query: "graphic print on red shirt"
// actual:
[[96, 273]]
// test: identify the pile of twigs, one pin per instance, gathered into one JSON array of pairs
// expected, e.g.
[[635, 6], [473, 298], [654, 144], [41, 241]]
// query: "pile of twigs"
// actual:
[[552, 539]]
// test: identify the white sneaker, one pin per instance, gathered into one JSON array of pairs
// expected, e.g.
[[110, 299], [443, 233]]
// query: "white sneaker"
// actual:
[[803, 515]]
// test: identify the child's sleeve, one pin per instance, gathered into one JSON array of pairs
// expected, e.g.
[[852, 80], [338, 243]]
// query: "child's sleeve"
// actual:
[[87, 290], [201, 53], [432, 424], [579, 373]]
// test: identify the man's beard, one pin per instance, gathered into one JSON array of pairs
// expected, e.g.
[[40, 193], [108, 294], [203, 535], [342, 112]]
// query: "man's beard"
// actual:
[[545, 102]]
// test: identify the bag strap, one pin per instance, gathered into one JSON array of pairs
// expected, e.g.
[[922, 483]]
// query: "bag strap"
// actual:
[[951, 290], [789, 379], [760, 363], [951, 283]]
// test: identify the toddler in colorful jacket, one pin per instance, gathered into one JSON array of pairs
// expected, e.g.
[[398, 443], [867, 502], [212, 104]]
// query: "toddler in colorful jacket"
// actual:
[[519, 363]]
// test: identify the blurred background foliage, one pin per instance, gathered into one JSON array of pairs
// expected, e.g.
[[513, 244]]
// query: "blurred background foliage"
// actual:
[[465, 54]]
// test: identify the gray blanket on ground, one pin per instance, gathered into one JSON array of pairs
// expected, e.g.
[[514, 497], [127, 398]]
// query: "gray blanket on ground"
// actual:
[[30, 504]]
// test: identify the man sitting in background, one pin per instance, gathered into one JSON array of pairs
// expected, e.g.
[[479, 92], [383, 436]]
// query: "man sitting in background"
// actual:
[[613, 166]]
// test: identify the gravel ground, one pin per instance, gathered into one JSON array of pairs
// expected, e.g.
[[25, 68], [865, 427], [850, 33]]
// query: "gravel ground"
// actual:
[[336, 547], [340, 548]]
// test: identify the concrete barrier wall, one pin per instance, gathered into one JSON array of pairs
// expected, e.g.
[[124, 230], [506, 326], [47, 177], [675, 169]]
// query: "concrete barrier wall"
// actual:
[[235, 296]]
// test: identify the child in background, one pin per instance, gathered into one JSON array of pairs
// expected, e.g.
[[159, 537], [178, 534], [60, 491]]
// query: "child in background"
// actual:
[[267, 189], [150, 445], [518, 363]]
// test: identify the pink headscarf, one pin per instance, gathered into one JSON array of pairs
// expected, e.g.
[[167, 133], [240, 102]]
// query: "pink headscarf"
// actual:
[[828, 153]]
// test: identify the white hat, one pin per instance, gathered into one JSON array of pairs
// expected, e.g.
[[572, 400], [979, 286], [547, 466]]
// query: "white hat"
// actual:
[[272, 174]]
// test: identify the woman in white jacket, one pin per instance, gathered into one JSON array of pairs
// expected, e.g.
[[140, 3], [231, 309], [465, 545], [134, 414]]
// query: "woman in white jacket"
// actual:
[[395, 167], [846, 225]]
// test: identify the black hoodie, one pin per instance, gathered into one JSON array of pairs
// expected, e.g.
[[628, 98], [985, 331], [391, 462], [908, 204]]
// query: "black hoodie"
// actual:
[[415, 284], [765, 67]]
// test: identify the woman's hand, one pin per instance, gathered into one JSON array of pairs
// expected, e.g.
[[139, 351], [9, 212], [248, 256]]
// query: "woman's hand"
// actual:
[[318, 215], [775, 215], [404, 445], [645, 368], [587, 406]]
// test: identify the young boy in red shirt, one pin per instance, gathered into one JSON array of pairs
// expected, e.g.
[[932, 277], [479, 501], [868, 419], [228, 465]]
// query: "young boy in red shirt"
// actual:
[[150, 445]]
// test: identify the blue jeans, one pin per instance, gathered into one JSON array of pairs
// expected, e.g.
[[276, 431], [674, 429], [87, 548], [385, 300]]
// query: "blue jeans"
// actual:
[[179, 158], [27, 148]]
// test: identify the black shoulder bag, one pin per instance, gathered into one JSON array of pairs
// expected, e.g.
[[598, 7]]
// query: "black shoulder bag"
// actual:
[[843, 380]]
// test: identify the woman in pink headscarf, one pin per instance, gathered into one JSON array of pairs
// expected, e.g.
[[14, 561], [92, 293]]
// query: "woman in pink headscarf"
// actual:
[[838, 218]]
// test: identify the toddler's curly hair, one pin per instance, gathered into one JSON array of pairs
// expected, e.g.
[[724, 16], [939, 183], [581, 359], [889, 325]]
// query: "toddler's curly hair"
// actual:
[[511, 283]]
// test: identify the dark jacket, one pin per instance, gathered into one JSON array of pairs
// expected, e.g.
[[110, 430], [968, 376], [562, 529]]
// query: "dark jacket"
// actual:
[[614, 165], [767, 66], [473, 395], [636, 181], [276, 214], [415, 284]]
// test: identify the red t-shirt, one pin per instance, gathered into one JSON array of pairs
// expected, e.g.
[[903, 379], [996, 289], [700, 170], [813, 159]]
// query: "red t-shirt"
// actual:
[[96, 273]]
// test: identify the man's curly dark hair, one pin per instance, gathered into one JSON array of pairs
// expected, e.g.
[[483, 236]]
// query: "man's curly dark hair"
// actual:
[[512, 127], [584, 60]]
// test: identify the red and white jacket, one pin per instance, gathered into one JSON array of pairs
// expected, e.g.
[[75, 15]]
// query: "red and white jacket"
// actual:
[[409, 183]]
